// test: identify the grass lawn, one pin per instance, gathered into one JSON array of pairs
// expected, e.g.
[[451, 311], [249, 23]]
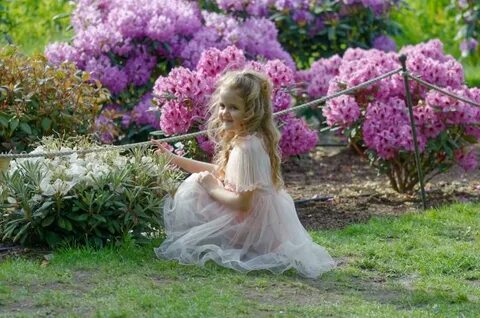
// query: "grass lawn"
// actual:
[[418, 265]]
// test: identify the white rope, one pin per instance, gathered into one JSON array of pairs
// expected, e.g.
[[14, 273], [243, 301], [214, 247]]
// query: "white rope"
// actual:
[[195, 134], [436, 88]]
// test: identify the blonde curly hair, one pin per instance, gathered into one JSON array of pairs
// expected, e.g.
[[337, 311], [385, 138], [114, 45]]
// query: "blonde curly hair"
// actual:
[[256, 90]]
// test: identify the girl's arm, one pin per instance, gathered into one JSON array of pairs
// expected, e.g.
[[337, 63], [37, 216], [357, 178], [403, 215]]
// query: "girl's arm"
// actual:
[[239, 201], [192, 165], [189, 165]]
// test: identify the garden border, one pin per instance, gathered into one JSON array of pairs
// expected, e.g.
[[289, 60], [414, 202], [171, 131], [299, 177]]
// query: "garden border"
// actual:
[[402, 70]]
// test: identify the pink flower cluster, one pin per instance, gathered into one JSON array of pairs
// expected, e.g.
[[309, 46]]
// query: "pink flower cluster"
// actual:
[[183, 96], [297, 137], [379, 111], [316, 80], [467, 159]]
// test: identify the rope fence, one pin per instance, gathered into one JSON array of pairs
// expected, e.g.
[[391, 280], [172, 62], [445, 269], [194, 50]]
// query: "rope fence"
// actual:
[[195, 134], [402, 70], [441, 90]]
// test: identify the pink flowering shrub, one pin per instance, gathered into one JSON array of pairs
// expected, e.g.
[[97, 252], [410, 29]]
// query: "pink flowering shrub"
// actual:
[[183, 95], [376, 117]]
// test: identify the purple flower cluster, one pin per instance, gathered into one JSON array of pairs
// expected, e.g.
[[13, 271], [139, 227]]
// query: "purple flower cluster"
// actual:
[[377, 6], [387, 128], [468, 46], [120, 28], [183, 96], [257, 37], [384, 43], [379, 111], [145, 113], [263, 7], [105, 127], [253, 8], [342, 111], [312, 16]]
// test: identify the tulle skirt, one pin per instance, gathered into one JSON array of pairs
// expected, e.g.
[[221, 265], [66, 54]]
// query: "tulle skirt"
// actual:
[[269, 237]]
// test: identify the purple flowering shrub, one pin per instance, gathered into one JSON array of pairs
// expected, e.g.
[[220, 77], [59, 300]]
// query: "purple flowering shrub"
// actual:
[[376, 117], [124, 44], [256, 36], [127, 44], [183, 96], [310, 29]]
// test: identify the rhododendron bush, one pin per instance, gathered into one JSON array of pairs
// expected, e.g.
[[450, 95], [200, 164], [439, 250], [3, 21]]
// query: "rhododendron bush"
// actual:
[[377, 118], [183, 96], [311, 29]]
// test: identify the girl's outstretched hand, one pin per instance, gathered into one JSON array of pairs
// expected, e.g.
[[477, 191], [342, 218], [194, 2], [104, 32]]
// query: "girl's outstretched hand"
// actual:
[[208, 181], [162, 147]]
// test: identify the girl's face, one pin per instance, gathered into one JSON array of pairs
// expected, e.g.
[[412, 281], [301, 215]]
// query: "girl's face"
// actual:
[[231, 109]]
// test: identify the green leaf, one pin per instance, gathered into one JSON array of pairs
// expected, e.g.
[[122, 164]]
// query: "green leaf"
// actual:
[[470, 139], [26, 128], [8, 232], [3, 121], [14, 124], [111, 229], [61, 16], [100, 218], [64, 224], [98, 242], [46, 123], [22, 230], [78, 218], [44, 206], [157, 133], [48, 221]]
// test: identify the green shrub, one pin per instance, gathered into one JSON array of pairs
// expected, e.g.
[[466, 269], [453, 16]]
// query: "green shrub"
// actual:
[[32, 24], [423, 20], [95, 199], [37, 100]]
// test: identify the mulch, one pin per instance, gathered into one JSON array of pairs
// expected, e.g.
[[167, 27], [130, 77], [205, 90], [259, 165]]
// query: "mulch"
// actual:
[[357, 192]]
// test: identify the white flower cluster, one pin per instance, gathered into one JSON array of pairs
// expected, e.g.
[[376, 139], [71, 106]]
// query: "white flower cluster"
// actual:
[[61, 174]]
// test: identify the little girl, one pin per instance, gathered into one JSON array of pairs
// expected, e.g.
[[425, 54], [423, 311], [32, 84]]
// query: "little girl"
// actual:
[[235, 211]]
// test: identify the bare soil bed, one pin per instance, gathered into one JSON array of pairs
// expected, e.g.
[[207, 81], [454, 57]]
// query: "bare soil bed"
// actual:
[[357, 192]]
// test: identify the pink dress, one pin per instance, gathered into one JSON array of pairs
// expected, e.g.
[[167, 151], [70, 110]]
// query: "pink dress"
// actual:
[[269, 237]]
